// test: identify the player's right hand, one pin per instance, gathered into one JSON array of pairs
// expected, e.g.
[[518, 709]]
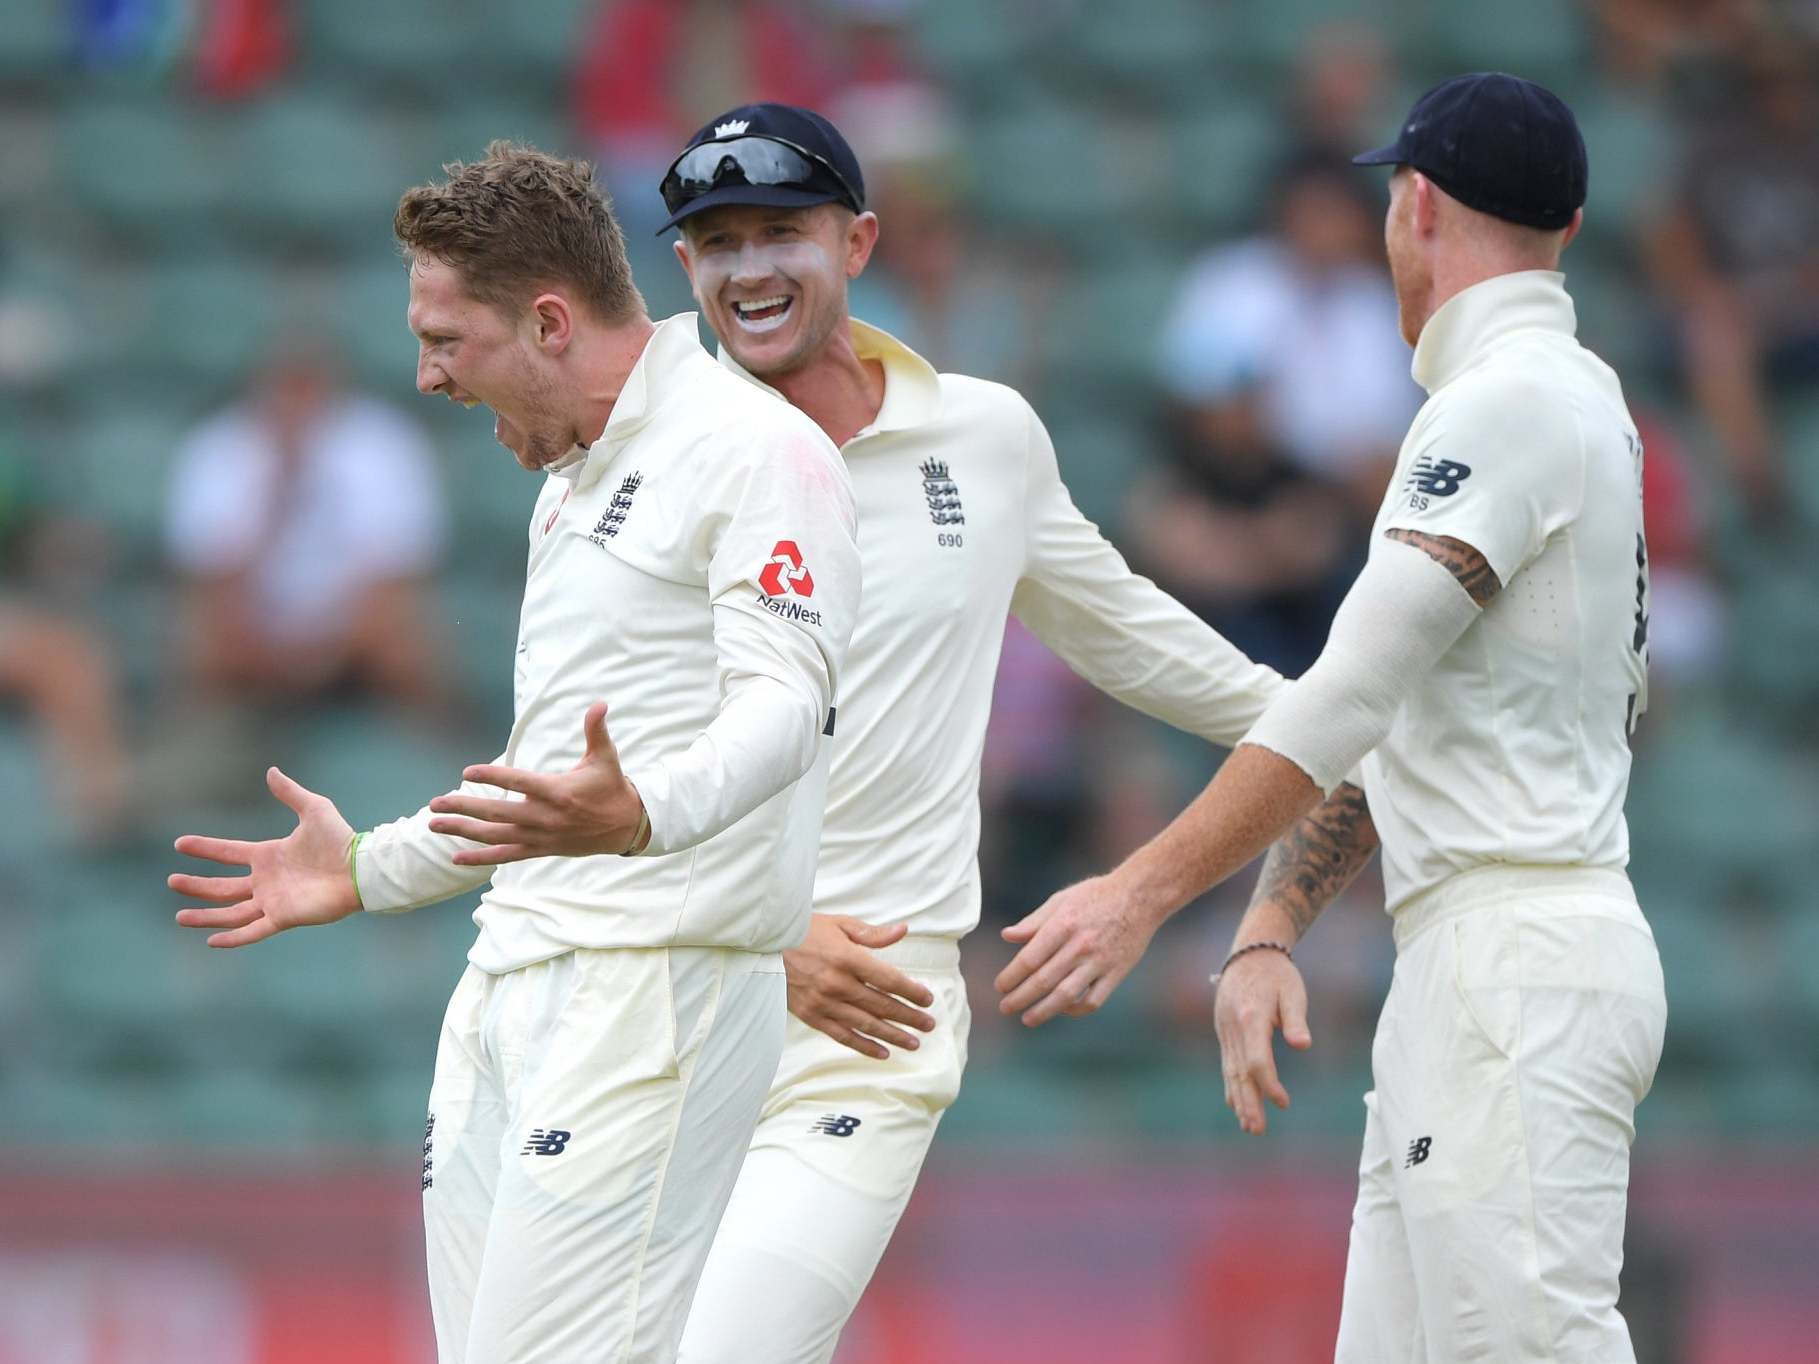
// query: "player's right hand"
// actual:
[[838, 985], [303, 878], [1258, 993]]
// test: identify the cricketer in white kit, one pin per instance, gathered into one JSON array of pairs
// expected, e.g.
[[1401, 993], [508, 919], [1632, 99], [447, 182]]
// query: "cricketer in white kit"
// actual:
[[964, 520], [1491, 661], [692, 558]]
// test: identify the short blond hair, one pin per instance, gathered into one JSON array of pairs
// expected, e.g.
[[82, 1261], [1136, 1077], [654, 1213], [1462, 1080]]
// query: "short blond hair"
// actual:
[[518, 220]]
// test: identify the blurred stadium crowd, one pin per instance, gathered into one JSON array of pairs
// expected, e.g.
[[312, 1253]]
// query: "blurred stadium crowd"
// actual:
[[231, 534]]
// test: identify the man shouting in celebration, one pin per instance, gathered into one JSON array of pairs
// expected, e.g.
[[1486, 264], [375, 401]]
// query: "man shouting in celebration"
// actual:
[[1490, 661], [691, 558]]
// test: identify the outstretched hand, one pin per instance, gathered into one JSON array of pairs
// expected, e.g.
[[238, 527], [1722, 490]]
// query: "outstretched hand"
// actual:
[[1074, 951], [1258, 993], [300, 879], [588, 810]]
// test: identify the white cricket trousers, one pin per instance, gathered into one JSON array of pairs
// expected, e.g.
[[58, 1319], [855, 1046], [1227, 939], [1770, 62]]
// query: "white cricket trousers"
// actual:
[[1522, 1028], [587, 1121], [831, 1168]]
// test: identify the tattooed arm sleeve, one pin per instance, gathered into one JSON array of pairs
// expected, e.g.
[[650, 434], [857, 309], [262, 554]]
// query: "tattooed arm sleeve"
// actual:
[[1307, 868], [1466, 564]]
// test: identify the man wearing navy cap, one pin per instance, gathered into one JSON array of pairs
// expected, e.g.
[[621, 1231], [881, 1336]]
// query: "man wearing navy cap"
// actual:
[[964, 520], [1472, 710]]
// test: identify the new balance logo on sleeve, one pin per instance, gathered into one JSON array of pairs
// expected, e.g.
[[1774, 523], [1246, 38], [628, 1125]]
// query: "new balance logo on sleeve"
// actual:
[[835, 1125], [546, 1141], [1417, 1151], [1438, 477]]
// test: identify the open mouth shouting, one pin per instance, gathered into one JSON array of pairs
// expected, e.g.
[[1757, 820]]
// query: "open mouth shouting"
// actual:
[[763, 314]]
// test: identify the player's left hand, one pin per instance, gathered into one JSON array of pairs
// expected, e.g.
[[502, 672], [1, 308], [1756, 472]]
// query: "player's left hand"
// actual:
[[1258, 993], [1076, 949], [588, 810]]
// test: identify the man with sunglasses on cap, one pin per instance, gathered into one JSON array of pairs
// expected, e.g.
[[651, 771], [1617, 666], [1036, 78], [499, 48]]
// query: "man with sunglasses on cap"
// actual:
[[963, 520], [1486, 668]]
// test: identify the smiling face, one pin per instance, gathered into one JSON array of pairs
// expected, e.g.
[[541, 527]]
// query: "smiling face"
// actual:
[[771, 282], [472, 353]]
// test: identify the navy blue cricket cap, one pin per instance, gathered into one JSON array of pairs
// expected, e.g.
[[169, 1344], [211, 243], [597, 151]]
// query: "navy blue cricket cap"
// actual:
[[1496, 143], [775, 155]]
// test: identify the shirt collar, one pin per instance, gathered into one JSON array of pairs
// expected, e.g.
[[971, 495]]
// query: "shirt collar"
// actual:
[[647, 387], [1472, 320], [912, 388]]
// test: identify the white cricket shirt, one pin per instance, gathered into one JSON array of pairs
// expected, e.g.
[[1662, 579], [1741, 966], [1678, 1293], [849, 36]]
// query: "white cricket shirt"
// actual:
[[1515, 748], [963, 519], [697, 571]]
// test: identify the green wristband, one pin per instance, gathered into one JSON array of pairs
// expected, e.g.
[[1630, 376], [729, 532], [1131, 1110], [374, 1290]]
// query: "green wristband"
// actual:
[[353, 870]]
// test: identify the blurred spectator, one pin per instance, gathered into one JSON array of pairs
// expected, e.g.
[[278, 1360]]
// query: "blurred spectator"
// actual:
[[303, 521], [1033, 791], [1737, 257], [1341, 102], [1644, 42], [1687, 616], [1249, 539], [58, 671], [650, 69], [1305, 313]]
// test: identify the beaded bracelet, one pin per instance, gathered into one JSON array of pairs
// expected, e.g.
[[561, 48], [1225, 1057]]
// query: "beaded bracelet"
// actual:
[[1237, 952]]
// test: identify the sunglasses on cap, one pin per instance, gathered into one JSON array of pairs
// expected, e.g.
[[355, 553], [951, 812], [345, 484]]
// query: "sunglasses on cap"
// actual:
[[750, 160]]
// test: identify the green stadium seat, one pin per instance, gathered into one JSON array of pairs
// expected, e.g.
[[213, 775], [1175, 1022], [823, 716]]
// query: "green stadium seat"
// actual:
[[373, 763], [1773, 601], [417, 46], [1616, 318], [1004, 1101], [490, 496], [1056, 173], [370, 322], [1221, 159], [256, 1107], [316, 170], [1155, 51], [1629, 145], [386, 1108], [1100, 454], [1713, 805], [1275, 32], [123, 457], [1541, 40], [479, 619], [214, 319], [531, 45], [30, 820], [1106, 333], [119, 980], [38, 46], [73, 1109], [977, 48], [462, 133], [151, 169], [1798, 417]]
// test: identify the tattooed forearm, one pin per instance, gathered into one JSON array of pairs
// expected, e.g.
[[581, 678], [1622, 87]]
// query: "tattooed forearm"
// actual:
[[1309, 865], [1458, 558]]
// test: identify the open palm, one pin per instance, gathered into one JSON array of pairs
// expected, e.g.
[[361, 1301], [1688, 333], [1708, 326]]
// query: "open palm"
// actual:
[[302, 878]]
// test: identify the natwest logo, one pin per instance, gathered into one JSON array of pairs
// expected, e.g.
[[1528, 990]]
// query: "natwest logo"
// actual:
[[786, 573]]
